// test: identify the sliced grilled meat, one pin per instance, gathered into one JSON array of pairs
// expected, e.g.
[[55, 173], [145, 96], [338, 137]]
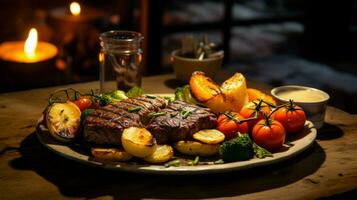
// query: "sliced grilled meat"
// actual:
[[106, 124], [180, 122]]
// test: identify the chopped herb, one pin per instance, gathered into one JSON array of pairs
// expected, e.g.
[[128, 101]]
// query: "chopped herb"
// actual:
[[169, 99], [135, 109], [156, 114], [173, 163], [185, 114], [260, 152], [195, 161], [86, 113], [150, 96], [288, 143], [220, 161]]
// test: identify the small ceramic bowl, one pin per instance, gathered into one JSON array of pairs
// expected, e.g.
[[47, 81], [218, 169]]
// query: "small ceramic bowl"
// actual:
[[312, 100], [183, 67]]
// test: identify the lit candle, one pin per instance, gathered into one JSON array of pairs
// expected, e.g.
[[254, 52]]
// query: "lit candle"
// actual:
[[75, 8], [29, 51], [75, 13]]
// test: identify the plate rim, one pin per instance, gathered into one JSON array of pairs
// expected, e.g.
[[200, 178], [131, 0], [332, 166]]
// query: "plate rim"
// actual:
[[309, 138]]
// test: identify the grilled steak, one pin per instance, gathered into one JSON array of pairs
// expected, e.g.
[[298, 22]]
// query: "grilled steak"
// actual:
[[180, 122], [106, 124]]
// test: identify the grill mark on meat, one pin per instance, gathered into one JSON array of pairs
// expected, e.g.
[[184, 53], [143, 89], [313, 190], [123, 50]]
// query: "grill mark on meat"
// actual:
[[105, 125], [120, 111], [169, 128]]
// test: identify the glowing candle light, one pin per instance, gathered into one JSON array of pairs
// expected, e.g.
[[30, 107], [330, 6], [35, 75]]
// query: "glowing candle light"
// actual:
[[75, 8], [29, 51], [31, 44]]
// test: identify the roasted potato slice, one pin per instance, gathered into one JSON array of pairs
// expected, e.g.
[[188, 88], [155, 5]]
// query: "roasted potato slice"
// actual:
[[202, 87], [110, 154], [138, 142], [162, 154], [195, 148], [230, 96], [63, 121], [209, 136]]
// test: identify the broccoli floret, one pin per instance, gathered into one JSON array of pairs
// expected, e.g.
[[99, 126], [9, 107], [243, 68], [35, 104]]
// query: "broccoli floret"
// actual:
[[118, 95], [135, 92], [239, 148]]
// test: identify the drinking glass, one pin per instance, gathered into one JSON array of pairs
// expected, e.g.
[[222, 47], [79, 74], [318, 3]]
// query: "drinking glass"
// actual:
[[120, 60]]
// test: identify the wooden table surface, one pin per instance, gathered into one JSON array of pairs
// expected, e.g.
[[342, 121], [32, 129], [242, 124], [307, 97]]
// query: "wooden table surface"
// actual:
[[29, 171]]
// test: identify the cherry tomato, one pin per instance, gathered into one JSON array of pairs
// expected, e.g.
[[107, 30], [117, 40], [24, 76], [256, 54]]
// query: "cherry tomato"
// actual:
[[228, 124], [83, 102], [292, 117], [269, 134], [250, 110]]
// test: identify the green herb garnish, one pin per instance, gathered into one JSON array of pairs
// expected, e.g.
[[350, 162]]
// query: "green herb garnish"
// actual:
[[260, 152], [220, 161], [169, 99], [135, 109], [150, 96], [173, 163], [185, 114], [86, 113], [156, 114], [288, 143], [195, 161]]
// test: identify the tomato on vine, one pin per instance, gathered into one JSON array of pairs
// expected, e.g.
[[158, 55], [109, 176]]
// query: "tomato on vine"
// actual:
[[291, 116], [255, 109], [83, 102], [230, 123], [269, 134]]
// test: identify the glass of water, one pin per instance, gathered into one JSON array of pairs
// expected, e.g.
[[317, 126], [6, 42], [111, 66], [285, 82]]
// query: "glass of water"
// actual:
[[120, 60]]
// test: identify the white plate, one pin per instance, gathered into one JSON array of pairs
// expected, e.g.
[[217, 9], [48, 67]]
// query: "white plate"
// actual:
[[301, 142]]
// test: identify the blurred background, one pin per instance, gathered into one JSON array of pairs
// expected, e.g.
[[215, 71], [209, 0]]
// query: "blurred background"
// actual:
[[312, 43]]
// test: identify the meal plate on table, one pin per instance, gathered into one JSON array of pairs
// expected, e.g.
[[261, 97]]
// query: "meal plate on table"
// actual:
[[299, 143]]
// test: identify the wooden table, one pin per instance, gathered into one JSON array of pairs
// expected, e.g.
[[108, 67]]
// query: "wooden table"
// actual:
[[30, 171]]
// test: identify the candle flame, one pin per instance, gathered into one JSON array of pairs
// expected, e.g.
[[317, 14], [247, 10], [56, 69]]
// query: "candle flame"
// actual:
[[75, 8], [31, 43]]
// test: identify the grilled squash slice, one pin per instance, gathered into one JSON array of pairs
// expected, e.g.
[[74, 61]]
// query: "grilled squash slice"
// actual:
[[110, 154], [209, 136], [195, 148], [162, 154], [138, 142]]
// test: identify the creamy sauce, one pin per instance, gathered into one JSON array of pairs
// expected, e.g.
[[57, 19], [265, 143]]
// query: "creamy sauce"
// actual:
[[303, 95]]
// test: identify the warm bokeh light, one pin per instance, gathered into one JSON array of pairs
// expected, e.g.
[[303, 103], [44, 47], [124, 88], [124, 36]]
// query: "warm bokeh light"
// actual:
[[75, 8], [31, 43]]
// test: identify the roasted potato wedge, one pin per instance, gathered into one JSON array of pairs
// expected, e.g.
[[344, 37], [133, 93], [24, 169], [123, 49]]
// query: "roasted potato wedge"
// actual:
[[254, 94], [63, 121], [209, 136], [230, 96], [110, 154], [195, 148], [203, 88], [138, 142], [162, 154]]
